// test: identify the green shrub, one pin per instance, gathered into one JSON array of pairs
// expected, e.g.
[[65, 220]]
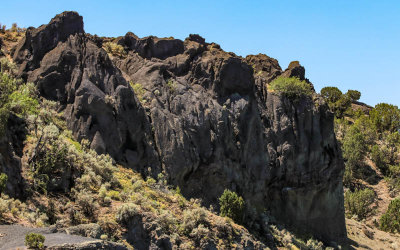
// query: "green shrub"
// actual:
[[390, 220], [338, 102], [3, 207], [24, 101], [358, 202], [3, 182], [114, 49], [232, 206], [167, 221], [8, 85], [6, 66], [379, 158], [87, 204], [15, 97], [192, 219], [49, 162], [139, 91], [386, 117], [34, 240], [354, 149], [126, 212], [354, 95], [291, 87], [171, 85]]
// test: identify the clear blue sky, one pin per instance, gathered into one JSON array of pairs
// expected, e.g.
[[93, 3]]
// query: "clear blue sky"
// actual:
[[349, 44]]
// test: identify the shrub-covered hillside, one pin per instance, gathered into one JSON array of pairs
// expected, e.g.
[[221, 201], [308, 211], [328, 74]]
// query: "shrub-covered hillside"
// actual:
[[370, 142]]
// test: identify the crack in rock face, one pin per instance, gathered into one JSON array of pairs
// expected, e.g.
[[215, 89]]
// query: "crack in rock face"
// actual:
[[205, 118]]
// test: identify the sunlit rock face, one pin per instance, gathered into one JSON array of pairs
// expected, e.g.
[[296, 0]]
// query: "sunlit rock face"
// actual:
[[205, 118]]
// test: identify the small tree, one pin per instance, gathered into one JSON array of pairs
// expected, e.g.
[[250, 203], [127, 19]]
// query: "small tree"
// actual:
[[3, 182], [337, 101], [34, 241], [386, 117], [354, 95], [354, 149], [358, 202], [331, 94], [379, 158], [390, 221], [232, 206]]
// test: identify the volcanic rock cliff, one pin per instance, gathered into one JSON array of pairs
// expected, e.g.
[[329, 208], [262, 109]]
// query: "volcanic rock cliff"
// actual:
[[205, 119]]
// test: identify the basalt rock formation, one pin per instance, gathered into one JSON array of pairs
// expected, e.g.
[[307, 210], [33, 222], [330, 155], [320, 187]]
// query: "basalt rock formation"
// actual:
[[205, 119], [11, 145], [99, 104]]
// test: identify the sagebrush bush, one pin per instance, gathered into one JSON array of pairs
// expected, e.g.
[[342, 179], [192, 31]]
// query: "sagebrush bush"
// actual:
[[193, 218], [114, 49], [126, 212], [3, 207], [6, 66], [87, 204], [200, 233], [390, 220], [34, 240], [291, 87], [167, 221], [232, 206], [359, 202]]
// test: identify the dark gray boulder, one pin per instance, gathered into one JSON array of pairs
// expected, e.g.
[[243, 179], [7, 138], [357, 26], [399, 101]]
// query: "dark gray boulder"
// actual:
[[11, 146]]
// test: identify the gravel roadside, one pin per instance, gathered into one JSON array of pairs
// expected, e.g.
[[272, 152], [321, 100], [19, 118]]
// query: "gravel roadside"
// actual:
[[13, 237]]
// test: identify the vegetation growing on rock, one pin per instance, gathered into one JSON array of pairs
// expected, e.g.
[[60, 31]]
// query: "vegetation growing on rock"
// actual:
[[232, 206], [114, 49], [291, 87]]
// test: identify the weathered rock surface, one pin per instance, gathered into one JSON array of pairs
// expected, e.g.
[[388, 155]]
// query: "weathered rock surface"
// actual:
[[206, 119], [11, 145], [99, 104], [218, 128]]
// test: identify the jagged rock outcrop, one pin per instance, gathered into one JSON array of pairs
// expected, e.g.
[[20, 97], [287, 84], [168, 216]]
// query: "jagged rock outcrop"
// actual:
[[150, 47], [99, 104], [217, 128], [11, 145], [206, 119]]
